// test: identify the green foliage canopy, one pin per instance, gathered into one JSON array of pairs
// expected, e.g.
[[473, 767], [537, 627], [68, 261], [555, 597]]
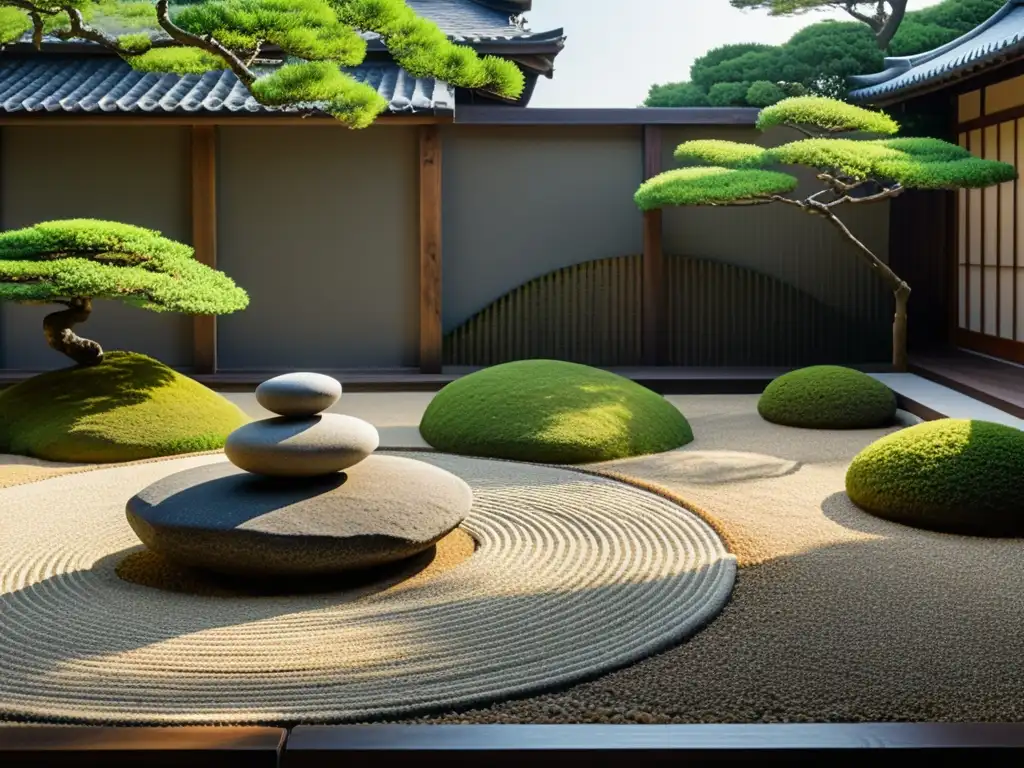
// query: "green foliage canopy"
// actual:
[[728, 154], [738, 173], [322, 35], [764, 93], [883, 17], [819, 58], [58, 261], [711, 186], [828, 115]]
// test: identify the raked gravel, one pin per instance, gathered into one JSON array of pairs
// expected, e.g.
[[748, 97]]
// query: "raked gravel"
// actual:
[[573, 575], [836, 616]]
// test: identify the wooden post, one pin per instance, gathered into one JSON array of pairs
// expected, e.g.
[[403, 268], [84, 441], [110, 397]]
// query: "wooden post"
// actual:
[[655, 295], [430, 250], [204, 236]]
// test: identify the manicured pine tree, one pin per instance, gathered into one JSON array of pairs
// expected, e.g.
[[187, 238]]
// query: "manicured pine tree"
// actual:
[[73, 262], [853, 171]]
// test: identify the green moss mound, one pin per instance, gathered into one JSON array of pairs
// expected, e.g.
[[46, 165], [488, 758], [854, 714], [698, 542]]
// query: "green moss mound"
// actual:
[[827, 397], [953, 475], [551, 412], [126, 408]]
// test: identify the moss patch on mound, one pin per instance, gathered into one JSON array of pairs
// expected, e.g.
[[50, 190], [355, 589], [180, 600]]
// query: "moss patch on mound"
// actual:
[[126, 408], [552, 412], [827, 397], [952, 475]]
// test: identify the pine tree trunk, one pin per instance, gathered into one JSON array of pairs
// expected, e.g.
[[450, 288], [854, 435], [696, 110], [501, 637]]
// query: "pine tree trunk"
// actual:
[[57, 327], [901, 290], [899, 329]]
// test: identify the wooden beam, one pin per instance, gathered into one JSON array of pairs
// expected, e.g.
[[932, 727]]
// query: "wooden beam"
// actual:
[[655, 295], [430, 250], [204, 236], [55, 746], [612, 746]]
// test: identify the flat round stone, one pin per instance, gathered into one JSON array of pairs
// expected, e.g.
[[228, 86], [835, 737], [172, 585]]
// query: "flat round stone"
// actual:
[[298, 394], [293, 447], [222, 519]]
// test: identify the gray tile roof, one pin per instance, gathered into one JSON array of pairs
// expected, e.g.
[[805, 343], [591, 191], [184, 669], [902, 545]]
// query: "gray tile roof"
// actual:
[[63, 81], [465, 20], [103, 84], [998, 38]]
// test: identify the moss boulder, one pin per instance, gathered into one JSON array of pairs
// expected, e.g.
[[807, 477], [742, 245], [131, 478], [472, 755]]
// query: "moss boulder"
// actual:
[[552, 412], [126, 408], [827, 397], [950, 475]]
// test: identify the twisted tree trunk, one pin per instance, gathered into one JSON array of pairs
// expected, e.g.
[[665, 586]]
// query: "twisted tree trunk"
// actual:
[[899, 329], [57, 327], [900, 288]]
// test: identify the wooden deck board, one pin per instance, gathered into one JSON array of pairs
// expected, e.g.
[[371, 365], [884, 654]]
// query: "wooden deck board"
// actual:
[[993, 382], [649, 745], [197, 747]]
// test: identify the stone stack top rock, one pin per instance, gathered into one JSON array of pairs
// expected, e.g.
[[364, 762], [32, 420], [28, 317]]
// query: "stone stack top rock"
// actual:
[[298, 394], [302, 441]]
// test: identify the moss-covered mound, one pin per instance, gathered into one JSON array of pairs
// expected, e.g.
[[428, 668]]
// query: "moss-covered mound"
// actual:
[[827, 397], [553, 412], [949, 475], [126, 408]]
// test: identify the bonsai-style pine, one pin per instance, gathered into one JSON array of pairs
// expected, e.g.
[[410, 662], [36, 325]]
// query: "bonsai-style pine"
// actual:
[[853, 171], [76, 261], [952, 475], [120, 406], [827, 397], [552, 412], [316, 37]]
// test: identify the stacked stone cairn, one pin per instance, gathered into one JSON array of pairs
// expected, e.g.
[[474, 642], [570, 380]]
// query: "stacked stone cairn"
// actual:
[[304, 494]]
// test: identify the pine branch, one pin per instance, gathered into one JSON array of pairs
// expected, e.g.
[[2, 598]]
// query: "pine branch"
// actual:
[[80, 29], [887, 193], [892, 24], [875, 22], [207, 43], [809, 134], [37, 30], [824, 209]]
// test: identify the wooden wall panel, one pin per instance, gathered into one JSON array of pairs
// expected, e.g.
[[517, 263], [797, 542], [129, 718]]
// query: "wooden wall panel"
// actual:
[[655, 296], [204, 235], [431, 339]]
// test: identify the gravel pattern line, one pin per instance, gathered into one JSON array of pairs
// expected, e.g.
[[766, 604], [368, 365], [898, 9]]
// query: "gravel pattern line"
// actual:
[[836, 616], [573, 575]]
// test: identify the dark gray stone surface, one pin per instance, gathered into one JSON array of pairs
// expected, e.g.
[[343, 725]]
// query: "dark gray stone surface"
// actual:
[[223, 519]]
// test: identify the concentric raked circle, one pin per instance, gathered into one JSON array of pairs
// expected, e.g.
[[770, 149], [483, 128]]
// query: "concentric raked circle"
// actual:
[[574, 575]]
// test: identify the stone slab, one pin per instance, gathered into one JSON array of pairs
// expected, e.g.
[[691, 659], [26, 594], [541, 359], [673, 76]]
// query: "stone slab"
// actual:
[[223, 519]]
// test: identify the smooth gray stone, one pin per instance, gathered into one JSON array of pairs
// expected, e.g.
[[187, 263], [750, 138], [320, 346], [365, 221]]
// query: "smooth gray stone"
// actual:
[[222, 519], [298, 394], [291, 447]]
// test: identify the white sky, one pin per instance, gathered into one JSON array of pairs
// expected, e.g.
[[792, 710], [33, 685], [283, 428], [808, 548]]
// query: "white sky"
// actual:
[[616, 50]]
